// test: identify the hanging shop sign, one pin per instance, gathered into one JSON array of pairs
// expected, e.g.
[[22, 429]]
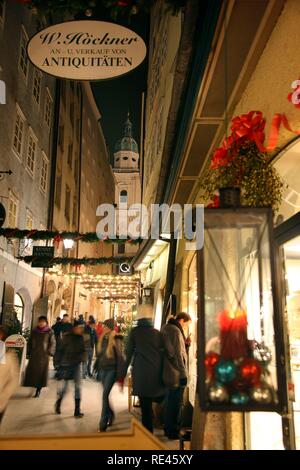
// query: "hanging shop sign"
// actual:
[[42, 256], [86, 50], [125, 269], [18, 344]]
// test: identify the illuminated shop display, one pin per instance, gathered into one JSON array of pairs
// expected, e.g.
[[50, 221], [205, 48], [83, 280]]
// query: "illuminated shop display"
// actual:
[[240, 343]]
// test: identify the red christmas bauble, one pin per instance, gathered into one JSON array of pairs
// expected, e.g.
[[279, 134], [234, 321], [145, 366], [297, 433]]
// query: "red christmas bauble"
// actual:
[[211, 359], [123, 3], [250, 371]]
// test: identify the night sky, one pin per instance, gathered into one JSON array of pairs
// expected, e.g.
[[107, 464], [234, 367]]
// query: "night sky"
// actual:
[[117, 96]]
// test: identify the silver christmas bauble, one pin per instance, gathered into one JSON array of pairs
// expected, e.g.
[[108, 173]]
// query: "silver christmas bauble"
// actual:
[[261, 394], [262, 354], [217, 393]]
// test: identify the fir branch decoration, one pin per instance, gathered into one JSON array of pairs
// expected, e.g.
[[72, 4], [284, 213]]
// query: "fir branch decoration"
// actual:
[[239, 163]]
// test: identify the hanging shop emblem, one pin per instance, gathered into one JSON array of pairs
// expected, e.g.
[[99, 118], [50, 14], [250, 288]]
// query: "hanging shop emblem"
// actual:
[[86, 50], [125, 269]]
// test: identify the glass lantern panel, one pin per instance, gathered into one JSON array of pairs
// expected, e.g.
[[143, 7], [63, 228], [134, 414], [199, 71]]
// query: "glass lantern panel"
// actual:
[[238, 302]]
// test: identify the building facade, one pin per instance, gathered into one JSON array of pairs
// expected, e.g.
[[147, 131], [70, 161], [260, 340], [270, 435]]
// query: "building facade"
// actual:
[[83, 180], [25, 149]]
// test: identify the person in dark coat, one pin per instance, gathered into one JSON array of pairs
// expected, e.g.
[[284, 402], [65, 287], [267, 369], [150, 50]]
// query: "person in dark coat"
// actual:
[[91, 339], [60, 328], [57, 327], [40, 346], [110, 364], [70, 356], [145, 350], [175, 333]]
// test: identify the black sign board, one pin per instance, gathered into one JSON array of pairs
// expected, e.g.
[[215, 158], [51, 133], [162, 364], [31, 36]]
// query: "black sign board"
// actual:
[[42, 256]]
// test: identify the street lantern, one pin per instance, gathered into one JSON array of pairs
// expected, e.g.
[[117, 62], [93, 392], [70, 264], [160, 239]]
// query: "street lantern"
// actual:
[[240, 343], [68, 243]]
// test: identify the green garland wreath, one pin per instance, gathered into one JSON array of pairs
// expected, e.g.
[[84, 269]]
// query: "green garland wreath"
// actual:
[[116, 7], [46, 261], [89, 237]]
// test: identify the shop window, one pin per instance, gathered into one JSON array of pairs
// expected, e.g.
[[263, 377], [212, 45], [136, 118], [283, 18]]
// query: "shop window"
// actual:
[[19, 307], [292, 270], [287, 165], [192, 311]]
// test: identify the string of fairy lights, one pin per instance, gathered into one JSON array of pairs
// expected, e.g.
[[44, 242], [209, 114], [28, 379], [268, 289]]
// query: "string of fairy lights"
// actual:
[[107, 287]]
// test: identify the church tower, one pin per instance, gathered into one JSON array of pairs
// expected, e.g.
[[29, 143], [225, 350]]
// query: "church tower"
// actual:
[[127, 176]]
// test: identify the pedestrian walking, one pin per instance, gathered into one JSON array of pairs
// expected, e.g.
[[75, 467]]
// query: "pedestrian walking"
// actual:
[[110, 364], [91, 342], [60, 328], [9, 374], [41, 346], [70, 356], [57, 328], [145, 351], [176, 333]]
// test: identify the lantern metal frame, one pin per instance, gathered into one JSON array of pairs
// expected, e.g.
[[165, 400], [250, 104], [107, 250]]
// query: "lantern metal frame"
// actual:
[[281, 405]]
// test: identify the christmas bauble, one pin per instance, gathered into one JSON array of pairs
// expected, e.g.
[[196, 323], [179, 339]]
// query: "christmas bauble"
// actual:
[[250, 371], [217, 393], [134, 10], [211, 359], [225, 371], [239, 398], [261, 394], [262, 354]]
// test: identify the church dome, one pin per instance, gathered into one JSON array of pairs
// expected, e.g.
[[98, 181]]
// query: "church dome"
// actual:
[[127, 142]]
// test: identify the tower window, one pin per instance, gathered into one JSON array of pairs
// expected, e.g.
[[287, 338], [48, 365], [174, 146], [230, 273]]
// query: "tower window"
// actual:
[[123, 197], [125, 158], [134, 159]]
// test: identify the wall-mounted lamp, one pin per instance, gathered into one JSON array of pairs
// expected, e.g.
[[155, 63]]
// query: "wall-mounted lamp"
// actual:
[[68, 244]]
